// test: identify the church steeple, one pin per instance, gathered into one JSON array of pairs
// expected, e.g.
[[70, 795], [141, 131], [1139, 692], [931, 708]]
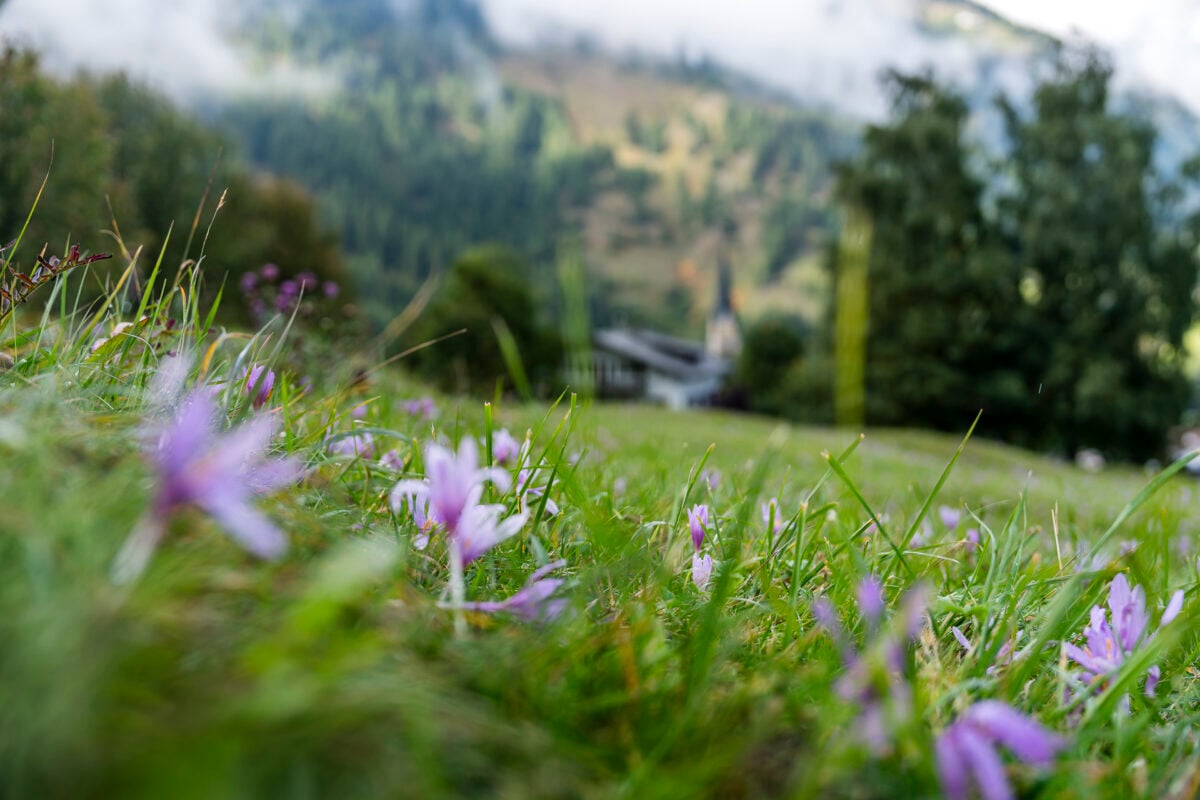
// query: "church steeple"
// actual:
[[723, 339]]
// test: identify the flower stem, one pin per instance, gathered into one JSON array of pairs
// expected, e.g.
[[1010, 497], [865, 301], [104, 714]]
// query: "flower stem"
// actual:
[[458, 588]]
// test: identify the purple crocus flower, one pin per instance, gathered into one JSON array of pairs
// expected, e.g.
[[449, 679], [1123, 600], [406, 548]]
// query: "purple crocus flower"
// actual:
[[307, 281], [330, 289], [770, 510], [260, 382], [702, 566], [392, 460], [972, 540], [949, 517], [269, 272], [1004, 655], [697, 522], [1111, 637], [505, 448], [454, 488], [248, 283], [358, 445], [417, 505], [481, 528], [875, 683], [423, 407], [966, 750], [711, 478], [218, 473], [530, 491], [537, 601]]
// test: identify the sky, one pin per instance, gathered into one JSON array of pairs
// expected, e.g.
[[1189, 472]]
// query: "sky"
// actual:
[[824, 50]]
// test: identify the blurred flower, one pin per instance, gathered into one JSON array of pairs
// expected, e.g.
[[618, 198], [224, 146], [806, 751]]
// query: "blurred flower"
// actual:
[[392, 460], [307, 281], [417, 505], [423, 407], [921, 537], [711, 478], [260, 381], [1111, 638], [698, 521], [702, 566], [531, 485], [770, 511], [330, 289], [359, 411], [619, 486], [966, 750], [505, 448], [535, 602], [972, 540], [357, 445], [873, 678], [949, 517], [871, 603], [248, 282], [217, 473], [1004, 655], [269, 272]]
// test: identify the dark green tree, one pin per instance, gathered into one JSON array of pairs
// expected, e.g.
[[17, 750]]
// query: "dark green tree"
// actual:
[[1106, 287], [938, 344], [485, 285], [772, 348]]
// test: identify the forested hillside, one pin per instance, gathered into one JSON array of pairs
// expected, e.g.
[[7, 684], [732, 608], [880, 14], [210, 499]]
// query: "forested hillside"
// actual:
[[438, 140]]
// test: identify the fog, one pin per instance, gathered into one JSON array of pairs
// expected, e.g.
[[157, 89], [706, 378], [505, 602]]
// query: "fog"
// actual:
[[827, 51]]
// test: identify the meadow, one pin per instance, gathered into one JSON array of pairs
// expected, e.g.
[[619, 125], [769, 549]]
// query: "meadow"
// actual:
[[240, 563]]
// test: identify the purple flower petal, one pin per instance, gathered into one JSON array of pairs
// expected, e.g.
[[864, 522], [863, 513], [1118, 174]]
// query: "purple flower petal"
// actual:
[[981, 760], [697, 520], [951, 765], [870, 599], [247, 525], [1026, 738], [1173, 608]]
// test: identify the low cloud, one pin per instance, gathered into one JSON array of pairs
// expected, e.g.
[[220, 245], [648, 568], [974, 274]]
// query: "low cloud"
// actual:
[[182, 47], [825, 51]]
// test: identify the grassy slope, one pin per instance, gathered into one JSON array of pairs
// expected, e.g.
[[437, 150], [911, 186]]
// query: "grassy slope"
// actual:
[[334, 672]]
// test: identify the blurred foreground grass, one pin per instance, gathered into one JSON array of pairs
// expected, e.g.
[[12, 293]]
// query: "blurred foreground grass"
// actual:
[[335, 672]]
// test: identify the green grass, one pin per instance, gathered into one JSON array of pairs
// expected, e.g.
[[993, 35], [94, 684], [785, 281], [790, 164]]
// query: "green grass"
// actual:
[[336, 673]]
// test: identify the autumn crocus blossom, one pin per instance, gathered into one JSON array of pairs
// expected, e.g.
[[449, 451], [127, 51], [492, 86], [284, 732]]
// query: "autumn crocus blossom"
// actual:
[[966, 751], [873, 678], [417, 505], [218, 473], [505, 448], [357, 445], [697, 521], [701, 564], [537, 600], [949, 516], [454, 488], [1111, 637], [260, 382]]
